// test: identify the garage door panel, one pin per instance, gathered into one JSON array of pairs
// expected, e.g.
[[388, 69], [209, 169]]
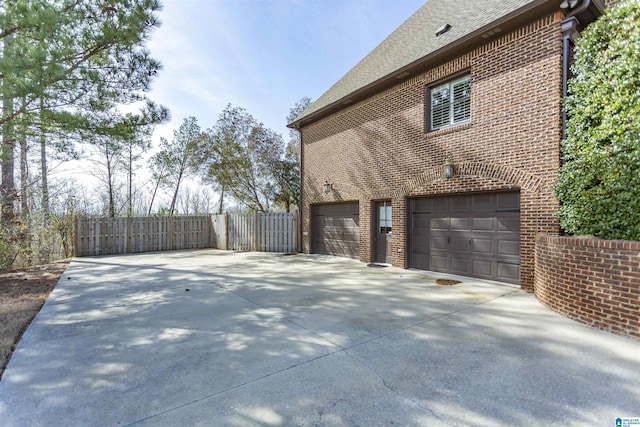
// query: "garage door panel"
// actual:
[[420, 222], [482, 203], [336, 231], [420, 242], [460, 224], [458, 203], [421, 206], [439, 263], [508, 248], [483, 268], [460, 244], [482, 246], [508, 272], [483, 224], [459, 265], [422, 247], [438, 243], [440, 223], [508, 201], [509, 224]]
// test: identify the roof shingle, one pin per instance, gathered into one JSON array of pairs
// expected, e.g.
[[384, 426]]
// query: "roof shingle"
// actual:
[[414, 40]]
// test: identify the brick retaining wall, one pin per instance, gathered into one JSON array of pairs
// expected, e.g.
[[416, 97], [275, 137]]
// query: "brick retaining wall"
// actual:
[[593, 281]]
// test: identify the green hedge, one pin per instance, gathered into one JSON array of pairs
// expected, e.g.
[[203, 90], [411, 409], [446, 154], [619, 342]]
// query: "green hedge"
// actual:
[[599, 184]]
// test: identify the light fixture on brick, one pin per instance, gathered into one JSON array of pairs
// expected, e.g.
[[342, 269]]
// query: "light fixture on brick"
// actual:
[[326, 187], [448, 168]]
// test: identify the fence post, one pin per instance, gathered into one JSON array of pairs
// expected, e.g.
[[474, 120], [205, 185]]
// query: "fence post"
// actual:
[[255, 232], [76, 241], [226, 231], [98, 237], [127, 235], [170, 232], [296, 233]]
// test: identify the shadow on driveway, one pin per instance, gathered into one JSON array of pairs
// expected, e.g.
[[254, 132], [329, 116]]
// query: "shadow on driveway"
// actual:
[[220, 338]]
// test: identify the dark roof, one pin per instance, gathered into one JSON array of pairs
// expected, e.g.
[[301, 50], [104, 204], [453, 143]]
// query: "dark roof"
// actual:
[[415, 39]]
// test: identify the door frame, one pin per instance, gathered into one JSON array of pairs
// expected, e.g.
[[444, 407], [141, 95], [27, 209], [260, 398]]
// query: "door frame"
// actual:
[[376, 235]]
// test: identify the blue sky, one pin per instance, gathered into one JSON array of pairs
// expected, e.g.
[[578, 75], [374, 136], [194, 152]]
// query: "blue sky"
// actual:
[[263, 55]]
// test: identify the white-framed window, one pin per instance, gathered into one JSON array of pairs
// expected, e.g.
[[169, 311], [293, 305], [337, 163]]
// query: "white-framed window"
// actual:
[[449, 103]]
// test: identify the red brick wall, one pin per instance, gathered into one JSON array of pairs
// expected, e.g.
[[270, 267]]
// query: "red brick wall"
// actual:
[[590, 280], [377, 149]]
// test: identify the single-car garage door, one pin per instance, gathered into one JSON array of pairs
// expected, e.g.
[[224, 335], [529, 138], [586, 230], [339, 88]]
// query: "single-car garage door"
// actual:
[[336, 230], [475, 235]]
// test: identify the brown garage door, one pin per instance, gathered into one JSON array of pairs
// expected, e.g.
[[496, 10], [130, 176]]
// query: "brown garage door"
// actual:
[[336, 230], [474, 235]]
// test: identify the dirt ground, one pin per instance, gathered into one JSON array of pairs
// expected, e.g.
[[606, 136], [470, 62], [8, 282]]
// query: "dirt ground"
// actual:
[[22, 294]]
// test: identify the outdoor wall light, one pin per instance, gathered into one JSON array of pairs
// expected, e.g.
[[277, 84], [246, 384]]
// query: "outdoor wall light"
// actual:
[[448, 168], [326, 187]]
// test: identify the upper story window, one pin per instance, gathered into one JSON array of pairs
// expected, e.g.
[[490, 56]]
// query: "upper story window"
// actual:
[[449, 103]]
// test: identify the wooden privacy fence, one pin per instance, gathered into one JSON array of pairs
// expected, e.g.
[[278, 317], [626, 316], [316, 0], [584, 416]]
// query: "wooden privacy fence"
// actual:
[[265, 232], [262, 232], [111, 236]]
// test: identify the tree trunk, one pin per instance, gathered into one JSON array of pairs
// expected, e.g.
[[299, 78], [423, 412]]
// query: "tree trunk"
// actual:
[[46, 211], [130, 180], [7, 186], [24, 172], [7, 183], [175, 193], [153, 196], [112, 207], [221, 204], [25, 218]]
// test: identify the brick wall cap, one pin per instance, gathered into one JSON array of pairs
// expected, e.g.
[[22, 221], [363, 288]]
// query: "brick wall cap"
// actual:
[[589, 241]]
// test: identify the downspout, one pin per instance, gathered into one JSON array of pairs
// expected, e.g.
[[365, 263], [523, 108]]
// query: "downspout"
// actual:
[[569, 28], [300, 247]]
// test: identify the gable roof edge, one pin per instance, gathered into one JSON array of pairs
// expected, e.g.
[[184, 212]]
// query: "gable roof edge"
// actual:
[[512, 20]]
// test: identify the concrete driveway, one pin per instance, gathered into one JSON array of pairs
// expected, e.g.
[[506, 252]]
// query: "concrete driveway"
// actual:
[[219, 338]]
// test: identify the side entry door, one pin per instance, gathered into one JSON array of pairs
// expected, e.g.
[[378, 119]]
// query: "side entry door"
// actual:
[[383, 232]]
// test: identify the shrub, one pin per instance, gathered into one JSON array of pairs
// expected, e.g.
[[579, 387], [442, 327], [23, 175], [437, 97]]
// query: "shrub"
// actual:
[[599, 184]]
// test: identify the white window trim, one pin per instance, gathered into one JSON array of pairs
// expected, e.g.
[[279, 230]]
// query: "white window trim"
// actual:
[[451, 122]]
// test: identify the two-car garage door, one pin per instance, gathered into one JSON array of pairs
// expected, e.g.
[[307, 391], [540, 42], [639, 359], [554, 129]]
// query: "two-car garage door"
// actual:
[[474, 235]]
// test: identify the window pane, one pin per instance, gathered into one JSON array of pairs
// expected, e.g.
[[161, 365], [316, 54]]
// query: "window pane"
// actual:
[[384, 217], [388, 216], [462, 100], [440, 106]]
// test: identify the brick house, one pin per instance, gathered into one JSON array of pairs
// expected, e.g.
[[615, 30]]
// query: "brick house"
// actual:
[[439, 149]]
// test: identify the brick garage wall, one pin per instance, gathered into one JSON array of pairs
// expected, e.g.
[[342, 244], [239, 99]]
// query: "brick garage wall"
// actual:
[[590, 280], [377, 149]]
